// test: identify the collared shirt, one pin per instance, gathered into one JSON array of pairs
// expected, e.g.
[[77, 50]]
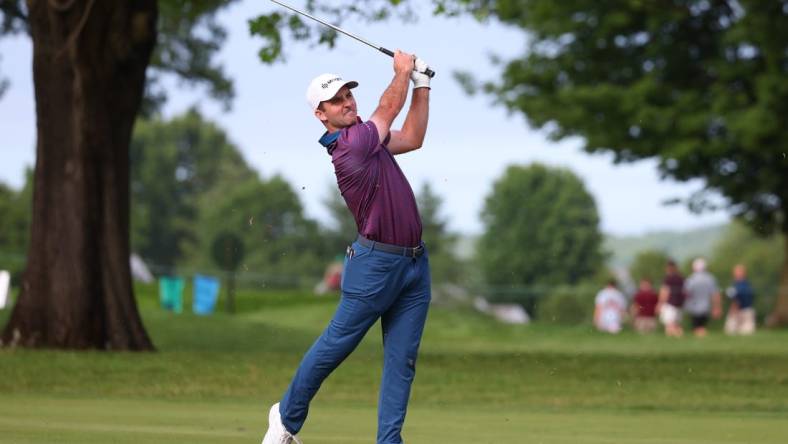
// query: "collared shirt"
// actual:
[[374, 187]]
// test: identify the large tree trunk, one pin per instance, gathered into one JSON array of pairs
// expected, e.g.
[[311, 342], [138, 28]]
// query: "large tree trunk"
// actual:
[[89, 67], [779, 316]]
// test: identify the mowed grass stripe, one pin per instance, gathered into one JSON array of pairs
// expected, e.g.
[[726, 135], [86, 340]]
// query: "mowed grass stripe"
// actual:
[[41, 419], [710, 382]]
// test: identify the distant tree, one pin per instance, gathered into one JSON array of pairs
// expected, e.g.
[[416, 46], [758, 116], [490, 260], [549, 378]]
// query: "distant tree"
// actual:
[[342, 229], [649, 264], [15, 217], [173, 164], [279, 240], [541, 227], [444, 265]]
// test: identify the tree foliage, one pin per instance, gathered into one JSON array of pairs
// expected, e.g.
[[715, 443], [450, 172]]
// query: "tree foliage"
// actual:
[[540, 228], [699, 85], [189, 39], [444, 264], [174, 164], [274, 27], [341, 230], [15, 225], [283, 246], [649, 265]]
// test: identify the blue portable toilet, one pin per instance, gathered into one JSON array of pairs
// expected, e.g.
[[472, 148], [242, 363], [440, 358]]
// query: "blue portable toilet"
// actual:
[[206, 293]]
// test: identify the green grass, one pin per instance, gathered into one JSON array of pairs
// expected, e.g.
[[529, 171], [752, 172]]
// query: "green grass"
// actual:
[[213, 379]]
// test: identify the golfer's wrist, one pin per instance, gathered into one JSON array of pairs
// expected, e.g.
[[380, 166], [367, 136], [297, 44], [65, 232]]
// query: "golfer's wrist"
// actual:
[[421, 82]]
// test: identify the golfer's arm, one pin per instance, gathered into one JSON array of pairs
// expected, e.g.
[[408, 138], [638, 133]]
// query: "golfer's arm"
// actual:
[[411, 136], [391, 103]]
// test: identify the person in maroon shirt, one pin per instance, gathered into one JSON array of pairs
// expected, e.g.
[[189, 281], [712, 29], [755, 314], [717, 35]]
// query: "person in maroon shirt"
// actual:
[[386, 270], [671, 300], [644, 307]]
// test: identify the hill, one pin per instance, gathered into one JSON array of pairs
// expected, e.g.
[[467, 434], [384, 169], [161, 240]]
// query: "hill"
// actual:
[[680, 245]]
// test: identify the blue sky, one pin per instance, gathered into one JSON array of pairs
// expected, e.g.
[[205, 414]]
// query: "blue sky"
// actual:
[[469, 142]]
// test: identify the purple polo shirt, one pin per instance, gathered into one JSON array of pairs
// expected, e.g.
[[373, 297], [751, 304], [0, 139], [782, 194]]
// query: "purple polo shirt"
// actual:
[[374, 187]]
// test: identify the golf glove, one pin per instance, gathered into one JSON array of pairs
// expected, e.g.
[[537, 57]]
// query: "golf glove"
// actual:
[[420, 80]]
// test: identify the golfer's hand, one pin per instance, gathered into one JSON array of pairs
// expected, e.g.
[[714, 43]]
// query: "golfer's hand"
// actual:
[[403, 63], [420, 80]]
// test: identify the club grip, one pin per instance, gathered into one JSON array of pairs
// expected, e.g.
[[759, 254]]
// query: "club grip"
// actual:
[[390, 53]]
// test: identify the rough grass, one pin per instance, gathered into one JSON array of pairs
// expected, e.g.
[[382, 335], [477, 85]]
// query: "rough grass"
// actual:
[[213, 378]]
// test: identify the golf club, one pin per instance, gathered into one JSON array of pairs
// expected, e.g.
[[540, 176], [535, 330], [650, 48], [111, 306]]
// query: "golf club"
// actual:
[[388, 52]]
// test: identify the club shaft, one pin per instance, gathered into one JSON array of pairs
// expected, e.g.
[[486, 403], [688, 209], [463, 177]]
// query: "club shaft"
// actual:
[[335, 28], [388, 52]]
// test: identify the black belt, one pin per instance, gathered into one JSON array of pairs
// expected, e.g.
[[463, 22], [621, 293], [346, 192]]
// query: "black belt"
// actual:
[[388, 248]]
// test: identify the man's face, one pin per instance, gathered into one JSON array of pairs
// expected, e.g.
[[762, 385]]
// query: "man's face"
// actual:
[[739, 272], [338, 112]]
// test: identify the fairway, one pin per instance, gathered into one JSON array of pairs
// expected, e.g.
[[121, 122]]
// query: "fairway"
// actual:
[[478, 381], [39, 420]]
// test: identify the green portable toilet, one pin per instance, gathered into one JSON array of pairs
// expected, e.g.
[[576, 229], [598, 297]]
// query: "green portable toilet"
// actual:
[[171, 293]]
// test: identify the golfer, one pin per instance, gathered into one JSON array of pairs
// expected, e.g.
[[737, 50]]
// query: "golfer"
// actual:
[[386, 273]]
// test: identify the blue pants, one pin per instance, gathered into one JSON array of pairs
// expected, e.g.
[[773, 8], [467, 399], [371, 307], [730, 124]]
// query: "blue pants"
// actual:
[[375, 284]]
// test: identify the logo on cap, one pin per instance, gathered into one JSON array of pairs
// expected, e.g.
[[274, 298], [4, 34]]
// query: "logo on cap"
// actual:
[[325, 85]]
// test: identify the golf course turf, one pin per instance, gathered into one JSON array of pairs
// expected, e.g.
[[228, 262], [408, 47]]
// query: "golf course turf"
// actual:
[[478, 381]]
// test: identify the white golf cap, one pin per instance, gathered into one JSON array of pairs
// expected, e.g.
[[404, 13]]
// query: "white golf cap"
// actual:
[[324, 87]]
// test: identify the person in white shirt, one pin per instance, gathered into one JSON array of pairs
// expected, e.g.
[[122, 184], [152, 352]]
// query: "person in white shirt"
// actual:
[[610, 308]]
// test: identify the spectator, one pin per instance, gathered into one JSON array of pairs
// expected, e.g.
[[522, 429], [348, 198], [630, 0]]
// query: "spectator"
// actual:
[[703, 297], [741, 314], [671, 299], [610, 308], [644, 307], [332, 277]]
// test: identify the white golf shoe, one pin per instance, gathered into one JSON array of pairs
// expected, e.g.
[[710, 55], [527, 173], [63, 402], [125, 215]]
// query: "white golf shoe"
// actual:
[[277, 434]]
